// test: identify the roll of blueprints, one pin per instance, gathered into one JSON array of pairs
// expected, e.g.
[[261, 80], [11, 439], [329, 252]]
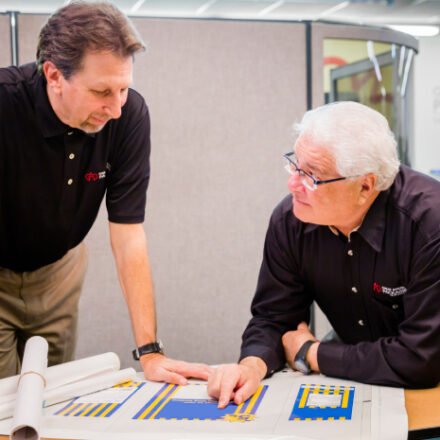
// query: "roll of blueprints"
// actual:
[[79, 388], [29, 402], [88, 386], [62, 374]]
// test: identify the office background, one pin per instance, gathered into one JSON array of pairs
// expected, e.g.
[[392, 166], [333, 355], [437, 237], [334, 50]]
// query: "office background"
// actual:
[[223, 94]]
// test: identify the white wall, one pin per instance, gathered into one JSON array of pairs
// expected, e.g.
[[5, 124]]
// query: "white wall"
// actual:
[[427, 106]]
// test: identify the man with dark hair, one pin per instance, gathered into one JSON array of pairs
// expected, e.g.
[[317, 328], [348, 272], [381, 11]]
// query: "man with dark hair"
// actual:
[[71, 130]]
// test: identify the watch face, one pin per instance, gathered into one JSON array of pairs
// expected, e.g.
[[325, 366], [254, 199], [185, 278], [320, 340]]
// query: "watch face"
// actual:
[[301, 366]]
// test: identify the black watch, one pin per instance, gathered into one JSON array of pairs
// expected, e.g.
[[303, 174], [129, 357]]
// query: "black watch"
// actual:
[[300, 361], [154, 347]]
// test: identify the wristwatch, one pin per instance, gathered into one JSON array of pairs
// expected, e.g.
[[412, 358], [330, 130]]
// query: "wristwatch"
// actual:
[[300, 361], [154, 347]]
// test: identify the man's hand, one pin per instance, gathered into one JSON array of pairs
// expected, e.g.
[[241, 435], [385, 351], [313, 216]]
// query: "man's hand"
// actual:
[[293, 341], [236, 381], [159, 368]]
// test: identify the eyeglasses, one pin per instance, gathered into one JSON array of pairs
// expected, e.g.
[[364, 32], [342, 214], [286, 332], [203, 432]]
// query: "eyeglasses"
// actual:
[[306, 179]]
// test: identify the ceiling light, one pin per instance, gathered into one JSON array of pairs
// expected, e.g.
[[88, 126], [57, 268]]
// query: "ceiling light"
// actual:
[[205, 6], [417, 31], [270, 8], [137, 5], [333, 9]]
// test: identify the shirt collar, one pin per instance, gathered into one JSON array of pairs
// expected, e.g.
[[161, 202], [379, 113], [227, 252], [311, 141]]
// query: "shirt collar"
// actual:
[[373, 227], [48, 121]]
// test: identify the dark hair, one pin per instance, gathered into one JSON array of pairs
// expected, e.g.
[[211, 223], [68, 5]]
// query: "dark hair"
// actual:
[[81, 26]]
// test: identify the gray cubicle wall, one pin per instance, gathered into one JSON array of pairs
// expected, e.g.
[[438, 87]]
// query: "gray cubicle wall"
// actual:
[[5, 41], [223, 96]]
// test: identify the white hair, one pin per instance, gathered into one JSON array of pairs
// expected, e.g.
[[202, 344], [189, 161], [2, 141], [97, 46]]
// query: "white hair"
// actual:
[[358, 137]]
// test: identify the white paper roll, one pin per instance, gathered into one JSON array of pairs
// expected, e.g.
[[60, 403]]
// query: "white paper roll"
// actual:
[[62, 374], [81, 388], [29, 403], [88, 386], [75, 371]]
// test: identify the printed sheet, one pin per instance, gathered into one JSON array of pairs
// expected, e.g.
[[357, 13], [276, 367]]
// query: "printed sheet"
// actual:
[[286, 406]]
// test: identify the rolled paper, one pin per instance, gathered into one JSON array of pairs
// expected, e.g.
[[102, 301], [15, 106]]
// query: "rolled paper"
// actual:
[[29, 402], [63, 374], [88, 386], [79, 388]]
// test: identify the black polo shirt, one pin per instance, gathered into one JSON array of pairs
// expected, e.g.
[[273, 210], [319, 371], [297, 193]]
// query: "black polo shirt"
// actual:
[[380, 289], [53, 178]]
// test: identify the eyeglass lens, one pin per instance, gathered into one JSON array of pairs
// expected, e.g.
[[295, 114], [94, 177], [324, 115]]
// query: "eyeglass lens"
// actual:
[[306, 180]]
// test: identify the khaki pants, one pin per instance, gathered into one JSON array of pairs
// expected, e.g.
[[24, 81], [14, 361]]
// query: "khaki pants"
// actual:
[[44, 303]]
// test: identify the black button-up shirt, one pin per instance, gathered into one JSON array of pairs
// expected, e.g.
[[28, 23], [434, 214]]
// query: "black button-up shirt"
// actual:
[[379, 288], [53, 177]]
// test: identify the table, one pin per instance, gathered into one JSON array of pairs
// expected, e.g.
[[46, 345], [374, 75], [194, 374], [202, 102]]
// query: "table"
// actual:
[[423, 408]]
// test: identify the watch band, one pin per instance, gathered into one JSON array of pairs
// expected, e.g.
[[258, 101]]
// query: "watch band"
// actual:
[[300, 362], [153, 347]]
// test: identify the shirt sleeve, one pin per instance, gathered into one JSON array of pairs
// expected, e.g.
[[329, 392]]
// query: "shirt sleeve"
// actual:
[[129, 172], [412, 357], [280, 302]]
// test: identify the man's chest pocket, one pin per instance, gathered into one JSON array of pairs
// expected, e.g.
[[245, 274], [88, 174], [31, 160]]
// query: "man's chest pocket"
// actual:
[[388, 298]]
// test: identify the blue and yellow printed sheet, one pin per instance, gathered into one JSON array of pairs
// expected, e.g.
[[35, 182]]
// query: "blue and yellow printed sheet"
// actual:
[[190, 402], [101, 404], [323, 402]]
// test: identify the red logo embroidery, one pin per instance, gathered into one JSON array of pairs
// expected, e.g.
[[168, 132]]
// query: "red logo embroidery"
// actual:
[[91, 176], [377, 288], [391, 291]]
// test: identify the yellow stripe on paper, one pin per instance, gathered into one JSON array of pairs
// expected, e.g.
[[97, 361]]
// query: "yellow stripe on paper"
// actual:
[[238, 409], [97, 409], [70, 407], [88, 410], [303, 400], [345, 398], [253, 400], [164, 402], [156, 401], [108, 410], [78, 409]]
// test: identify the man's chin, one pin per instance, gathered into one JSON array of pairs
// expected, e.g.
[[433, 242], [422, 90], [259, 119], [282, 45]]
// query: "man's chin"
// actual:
[[91, 128], [298, 212]]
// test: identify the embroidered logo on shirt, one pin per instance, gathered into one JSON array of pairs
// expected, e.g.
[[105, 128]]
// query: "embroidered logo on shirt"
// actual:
[[92, 177], [391, 291]]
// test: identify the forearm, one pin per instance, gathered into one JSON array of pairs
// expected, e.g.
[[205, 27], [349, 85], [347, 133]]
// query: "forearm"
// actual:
[[130, 251], [387, 361]]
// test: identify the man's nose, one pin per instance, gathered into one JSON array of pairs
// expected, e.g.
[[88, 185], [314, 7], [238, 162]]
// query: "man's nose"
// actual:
[[113, 106], [295, 182]]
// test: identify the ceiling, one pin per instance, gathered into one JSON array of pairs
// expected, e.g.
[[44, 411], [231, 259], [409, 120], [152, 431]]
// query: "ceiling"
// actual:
[[377, 12]]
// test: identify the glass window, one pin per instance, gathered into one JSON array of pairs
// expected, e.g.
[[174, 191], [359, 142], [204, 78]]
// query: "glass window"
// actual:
[[375, 74]]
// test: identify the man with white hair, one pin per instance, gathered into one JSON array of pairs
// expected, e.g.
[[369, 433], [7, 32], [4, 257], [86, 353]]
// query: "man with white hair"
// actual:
[[359, 235]]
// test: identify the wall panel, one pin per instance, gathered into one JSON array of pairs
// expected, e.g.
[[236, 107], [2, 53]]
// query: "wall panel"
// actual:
[[29, 26], [5, 41]]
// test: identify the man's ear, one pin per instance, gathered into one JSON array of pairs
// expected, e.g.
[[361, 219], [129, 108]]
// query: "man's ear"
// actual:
[[54, 77], [368, 187]]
